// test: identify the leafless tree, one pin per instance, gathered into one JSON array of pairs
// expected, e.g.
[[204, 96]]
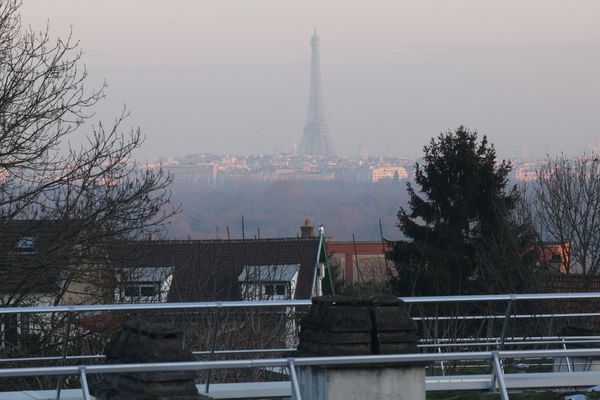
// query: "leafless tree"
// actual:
[[76, 200], [566, 200], [509, 257]]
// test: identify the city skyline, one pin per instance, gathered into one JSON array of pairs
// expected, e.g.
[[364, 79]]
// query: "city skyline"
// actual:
[[226, 77]]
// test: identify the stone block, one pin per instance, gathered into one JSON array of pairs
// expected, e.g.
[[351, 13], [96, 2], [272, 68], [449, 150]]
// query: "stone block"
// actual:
[[340, 325], [146, 342], [319, 336]]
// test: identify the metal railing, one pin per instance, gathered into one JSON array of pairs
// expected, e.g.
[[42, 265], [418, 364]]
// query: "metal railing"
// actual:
[[495, 357], [509, 298], [498, 342]]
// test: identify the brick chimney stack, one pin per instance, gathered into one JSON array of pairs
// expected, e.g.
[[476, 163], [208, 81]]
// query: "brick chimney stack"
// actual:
[[307, 229]]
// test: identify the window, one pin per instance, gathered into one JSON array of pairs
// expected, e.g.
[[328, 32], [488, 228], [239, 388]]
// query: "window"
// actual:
[[280, 289], [148, 291], [135, 291], [131, 291], [275, 289], [269, 290], [26, 244]]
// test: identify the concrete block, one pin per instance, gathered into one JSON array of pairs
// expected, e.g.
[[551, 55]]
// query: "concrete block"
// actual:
[[373, 383]]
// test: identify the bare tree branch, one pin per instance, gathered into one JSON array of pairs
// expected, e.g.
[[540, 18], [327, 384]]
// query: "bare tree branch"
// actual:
[[567, 210]]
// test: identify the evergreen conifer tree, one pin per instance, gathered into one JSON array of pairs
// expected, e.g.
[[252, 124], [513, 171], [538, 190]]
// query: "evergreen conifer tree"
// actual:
[[461, 201]]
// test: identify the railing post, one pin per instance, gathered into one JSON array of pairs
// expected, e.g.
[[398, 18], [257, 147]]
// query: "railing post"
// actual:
[[499, 376], [442, 366], [494, 377], [213, 341], [294, 379], [490, 328], [65, 351], [505, 323], [84, 384], [567, 359]]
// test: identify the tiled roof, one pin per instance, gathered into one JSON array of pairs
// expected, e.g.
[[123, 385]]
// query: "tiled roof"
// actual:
[[209, 270]]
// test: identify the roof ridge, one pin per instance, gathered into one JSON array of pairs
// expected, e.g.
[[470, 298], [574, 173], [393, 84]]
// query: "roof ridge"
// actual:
[[202, 241]]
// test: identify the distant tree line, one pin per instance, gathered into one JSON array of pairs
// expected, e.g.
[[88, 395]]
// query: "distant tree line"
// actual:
[[278, 209]]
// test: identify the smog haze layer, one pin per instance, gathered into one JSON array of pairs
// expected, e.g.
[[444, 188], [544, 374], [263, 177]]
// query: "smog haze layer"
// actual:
[[232, 76]]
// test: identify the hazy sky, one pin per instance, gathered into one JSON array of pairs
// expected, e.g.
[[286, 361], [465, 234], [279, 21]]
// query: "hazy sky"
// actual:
[[232, 76]]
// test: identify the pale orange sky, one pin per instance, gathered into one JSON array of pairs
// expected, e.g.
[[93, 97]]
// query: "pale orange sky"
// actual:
[[232, 76]]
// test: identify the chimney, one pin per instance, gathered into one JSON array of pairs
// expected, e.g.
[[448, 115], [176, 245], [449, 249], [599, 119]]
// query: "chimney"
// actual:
[[307, 229]]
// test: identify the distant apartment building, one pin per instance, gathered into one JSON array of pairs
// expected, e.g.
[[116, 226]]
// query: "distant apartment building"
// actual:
[[379, 173], [525, 175], [526, 171], [388, 172], [277, 174], [322, 176], [201, 174]]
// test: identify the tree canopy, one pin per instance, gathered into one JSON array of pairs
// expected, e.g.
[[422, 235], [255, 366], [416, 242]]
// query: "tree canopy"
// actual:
[[461, 205]]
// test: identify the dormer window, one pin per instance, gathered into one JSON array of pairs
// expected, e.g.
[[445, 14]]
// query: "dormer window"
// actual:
[[143, 284], [269, 282]]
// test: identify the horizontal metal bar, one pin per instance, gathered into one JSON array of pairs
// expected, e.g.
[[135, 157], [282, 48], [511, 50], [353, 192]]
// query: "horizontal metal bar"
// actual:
[[155, 306], [506, 343], [282, 362], [449, 343], [102, 356], [245, 351], [453, 356], [502, 297], [291, 303], [522, 338], [53, 358], [423, 343], [512, 316], [465, 342]]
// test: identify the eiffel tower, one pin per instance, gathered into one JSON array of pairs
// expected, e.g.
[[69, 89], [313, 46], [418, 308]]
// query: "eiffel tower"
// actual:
[[316, 140]]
